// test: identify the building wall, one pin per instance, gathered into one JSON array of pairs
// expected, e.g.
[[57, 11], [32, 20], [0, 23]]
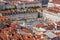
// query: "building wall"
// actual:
[[28, 5], [50, 16], [53, 5], [6, 5], [23, 16]]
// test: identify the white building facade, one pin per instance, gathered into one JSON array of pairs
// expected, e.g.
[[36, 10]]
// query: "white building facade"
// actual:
[[53, 3], [51, 16]]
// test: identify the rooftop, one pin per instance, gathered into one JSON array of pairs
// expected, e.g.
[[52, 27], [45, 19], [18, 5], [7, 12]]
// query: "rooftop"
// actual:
[[56, 1]]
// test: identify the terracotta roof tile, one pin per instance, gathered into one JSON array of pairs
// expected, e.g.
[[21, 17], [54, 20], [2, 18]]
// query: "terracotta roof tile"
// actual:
[[40, 25], [54, 9], [56, 1]]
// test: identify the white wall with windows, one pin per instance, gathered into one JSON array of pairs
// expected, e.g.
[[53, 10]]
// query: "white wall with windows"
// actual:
[[53, 5], [50, 16]]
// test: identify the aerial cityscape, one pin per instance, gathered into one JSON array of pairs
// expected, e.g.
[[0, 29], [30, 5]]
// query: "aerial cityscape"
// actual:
[[29, 19]]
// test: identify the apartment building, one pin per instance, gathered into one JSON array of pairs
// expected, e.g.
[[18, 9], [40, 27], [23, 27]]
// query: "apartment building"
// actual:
[[53, 11], [5, 5], [21, 14], [52, 14], [25, 3], [54, 3], [29, 4]]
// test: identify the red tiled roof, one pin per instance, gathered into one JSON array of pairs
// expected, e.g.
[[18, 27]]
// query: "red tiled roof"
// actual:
[[3, 18], [54, 9], [31, 2], [42, 8], [50, 23], [58, 23], [57, 33], [56, 1], [25, 30], [50, 27], [40, 25], [39, 8]]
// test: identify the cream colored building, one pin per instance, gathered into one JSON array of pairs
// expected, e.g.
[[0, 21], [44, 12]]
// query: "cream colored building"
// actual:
[[53, 4], [51, 16], [38, 31]]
